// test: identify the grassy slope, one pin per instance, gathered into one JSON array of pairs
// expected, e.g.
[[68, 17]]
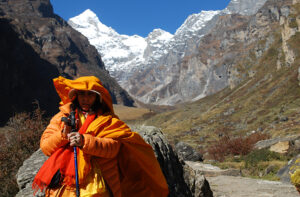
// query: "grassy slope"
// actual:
[[130, 113]]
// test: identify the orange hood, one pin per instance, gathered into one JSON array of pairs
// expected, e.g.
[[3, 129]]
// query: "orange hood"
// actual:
[[90, 83]]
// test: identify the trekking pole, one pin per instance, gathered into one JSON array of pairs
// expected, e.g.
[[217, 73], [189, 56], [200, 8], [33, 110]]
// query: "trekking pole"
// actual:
[[76, 172], [72, 123]]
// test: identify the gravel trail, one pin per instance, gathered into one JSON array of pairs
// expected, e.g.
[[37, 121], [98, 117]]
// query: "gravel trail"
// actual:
[[228, 183]]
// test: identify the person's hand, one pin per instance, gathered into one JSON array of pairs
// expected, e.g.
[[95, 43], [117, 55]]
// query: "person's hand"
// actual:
[[66, 130], [76, 139]]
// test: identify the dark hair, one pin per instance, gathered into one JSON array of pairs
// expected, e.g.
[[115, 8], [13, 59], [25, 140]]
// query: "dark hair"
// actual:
[[98, 104]]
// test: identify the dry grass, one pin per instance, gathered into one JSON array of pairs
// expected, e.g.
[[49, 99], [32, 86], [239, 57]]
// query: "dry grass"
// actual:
[[130, 113]]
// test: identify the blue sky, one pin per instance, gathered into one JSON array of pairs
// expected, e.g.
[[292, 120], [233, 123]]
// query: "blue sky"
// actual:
[[137, 16]]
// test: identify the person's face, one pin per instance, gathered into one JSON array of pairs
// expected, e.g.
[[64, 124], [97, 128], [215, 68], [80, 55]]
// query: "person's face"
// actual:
[[86, 99]]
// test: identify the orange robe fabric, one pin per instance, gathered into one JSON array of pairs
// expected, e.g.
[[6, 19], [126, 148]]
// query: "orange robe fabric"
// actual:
[[126, 161]]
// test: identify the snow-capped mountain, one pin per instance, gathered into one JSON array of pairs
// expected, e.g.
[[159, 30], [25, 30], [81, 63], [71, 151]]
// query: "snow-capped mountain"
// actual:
[[124, 54], [137, 63], [155, 42], [117, 51]]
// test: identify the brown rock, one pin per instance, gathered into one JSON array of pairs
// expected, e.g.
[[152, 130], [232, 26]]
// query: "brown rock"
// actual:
[[212, 171], [280, 147]]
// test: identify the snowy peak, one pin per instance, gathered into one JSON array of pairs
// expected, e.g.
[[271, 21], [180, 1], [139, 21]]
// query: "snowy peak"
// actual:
[[89, 25], [196, 21], [159, 34], [119, 52], [157, 41], [114, 48], [88, 14], [86, 19]]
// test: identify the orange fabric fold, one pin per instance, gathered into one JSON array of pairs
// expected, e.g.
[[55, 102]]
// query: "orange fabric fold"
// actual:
[[141, 172], [62, 160]]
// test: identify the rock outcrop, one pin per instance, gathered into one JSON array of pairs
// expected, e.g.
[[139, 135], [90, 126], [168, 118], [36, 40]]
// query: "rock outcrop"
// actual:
[[209, 170], [183, 181], [280, 145], [187, 152], [27, 173], [36, 46]]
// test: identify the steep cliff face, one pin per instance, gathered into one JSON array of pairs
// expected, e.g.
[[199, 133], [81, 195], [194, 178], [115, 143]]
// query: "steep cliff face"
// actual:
[[24, 76], [223, 57], [201, 64], [264, 30], [33, 36]]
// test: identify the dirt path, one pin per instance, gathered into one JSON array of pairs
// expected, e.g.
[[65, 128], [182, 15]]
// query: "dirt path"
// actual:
[[223, 185], [230, 186]]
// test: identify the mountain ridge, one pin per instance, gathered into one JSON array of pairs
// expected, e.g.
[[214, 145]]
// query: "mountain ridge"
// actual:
[[132, 71]]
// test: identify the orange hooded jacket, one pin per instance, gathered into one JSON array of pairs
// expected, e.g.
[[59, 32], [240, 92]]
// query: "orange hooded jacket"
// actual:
[[127, 163]]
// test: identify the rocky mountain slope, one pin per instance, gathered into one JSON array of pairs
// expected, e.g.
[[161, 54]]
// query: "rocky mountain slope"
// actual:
[[152, 74], [244, 7], [36, 46], [263, 93]]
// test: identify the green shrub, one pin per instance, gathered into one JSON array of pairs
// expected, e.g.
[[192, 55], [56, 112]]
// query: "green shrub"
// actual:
[[256, 156]]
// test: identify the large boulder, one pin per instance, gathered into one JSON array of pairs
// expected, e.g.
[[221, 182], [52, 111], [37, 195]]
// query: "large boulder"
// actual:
[[183, 181], [27, 173]]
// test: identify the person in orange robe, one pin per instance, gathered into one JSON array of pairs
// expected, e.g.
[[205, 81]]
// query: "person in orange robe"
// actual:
[[112, 160]]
